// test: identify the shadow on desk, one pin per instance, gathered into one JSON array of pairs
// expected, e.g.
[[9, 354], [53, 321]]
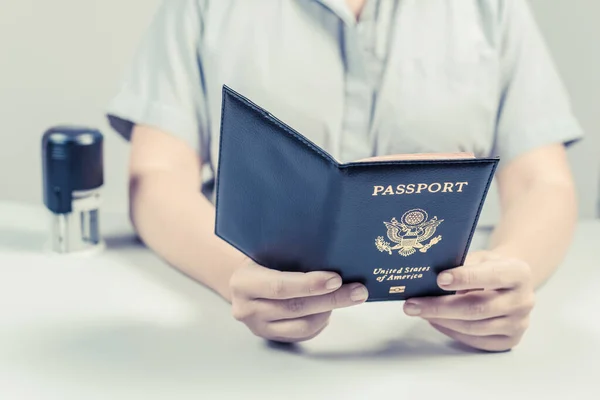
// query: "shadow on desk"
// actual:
[[416, 342], [123, 241]]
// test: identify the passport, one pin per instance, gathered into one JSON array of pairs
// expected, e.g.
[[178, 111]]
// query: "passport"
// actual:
[[392, 223]]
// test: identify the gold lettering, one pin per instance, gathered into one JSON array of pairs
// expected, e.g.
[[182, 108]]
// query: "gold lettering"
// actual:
[[403, 277], [397, 289], [381, 271], [421, 186], [399, 274], [416, 269], [377, 189], [461, 184], [439, 187]]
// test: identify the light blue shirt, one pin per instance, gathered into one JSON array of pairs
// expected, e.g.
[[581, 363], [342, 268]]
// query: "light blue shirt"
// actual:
[[409, 76]]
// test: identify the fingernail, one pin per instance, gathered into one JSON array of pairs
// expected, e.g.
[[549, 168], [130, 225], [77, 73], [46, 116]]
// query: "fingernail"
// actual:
[[445, 278], [334, 283], [359, 294], [412, 308]]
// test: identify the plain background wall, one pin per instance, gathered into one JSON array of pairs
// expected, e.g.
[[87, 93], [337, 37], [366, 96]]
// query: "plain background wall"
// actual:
[[61, 60]]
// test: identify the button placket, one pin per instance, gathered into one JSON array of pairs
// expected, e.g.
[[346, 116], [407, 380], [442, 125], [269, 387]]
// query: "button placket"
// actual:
[[358, 94]]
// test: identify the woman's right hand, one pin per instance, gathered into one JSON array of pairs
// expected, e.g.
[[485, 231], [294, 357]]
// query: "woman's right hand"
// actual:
[[289, 306]]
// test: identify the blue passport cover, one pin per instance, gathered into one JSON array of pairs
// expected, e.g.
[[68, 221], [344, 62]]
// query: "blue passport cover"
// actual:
[[391, 225]]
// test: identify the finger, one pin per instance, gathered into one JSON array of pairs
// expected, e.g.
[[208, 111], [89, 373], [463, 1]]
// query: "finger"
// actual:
[[257, 282], [490, 275], [347, 296], [477, 258], [486, 327], [494, 343], [474, 306], [296, 330], [471, 307], [467, 291]]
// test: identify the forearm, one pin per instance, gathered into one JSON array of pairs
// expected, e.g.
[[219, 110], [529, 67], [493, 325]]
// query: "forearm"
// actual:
[[537, 226], [176, 221]]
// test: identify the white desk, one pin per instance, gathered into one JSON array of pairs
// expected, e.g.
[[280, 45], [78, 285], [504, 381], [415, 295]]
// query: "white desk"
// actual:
[[123, 325]]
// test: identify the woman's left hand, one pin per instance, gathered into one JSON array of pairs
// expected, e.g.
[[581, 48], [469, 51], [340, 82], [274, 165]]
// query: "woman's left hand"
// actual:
[[491, 308]]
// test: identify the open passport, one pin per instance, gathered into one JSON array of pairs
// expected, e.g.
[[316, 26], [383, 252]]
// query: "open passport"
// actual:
[[392, 223]]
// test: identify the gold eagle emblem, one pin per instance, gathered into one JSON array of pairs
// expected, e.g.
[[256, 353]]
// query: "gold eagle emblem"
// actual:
[[410, 233]]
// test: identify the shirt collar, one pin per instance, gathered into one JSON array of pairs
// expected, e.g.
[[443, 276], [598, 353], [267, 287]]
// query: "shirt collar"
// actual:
[[341, 9]]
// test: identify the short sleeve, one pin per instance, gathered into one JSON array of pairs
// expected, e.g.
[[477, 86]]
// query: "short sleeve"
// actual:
[[162, 86], [535, 109]]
